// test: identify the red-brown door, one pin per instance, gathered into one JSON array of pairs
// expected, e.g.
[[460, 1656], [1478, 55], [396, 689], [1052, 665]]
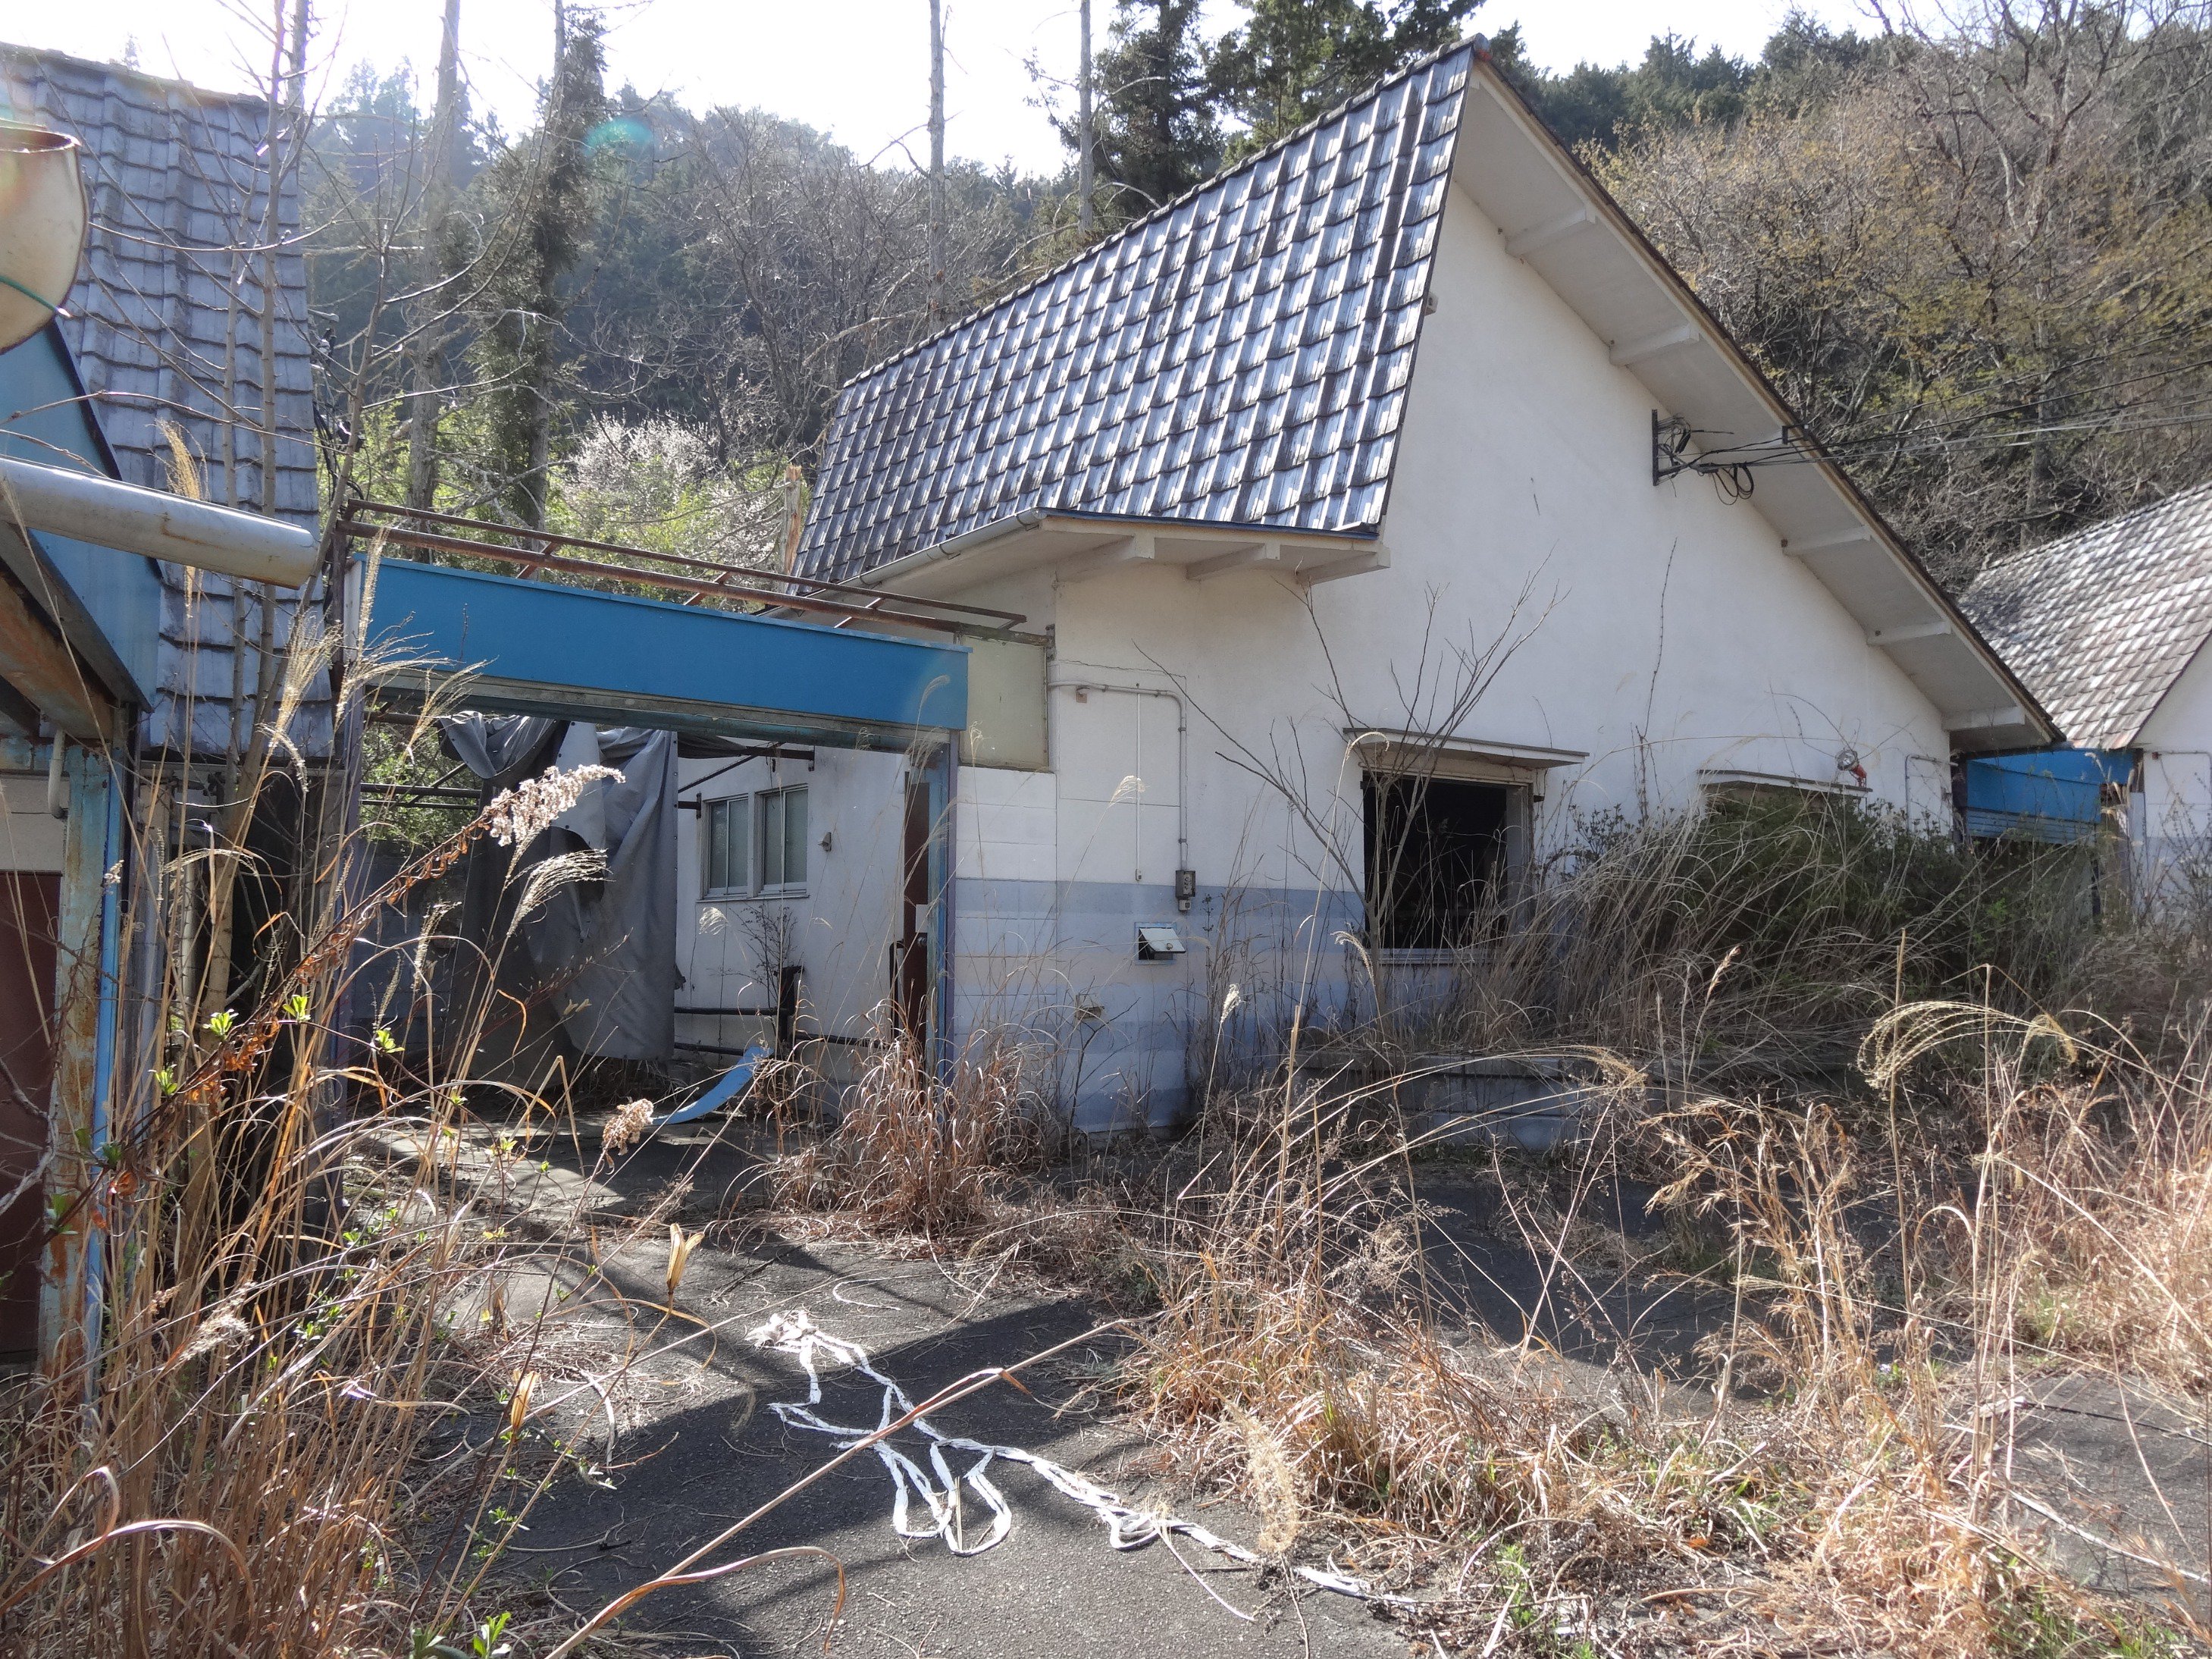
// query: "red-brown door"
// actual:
[[30, 906], [910, 954]]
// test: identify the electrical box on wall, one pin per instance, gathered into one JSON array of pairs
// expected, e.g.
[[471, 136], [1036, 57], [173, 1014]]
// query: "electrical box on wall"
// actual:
[[1186, 888], [1158, 942]]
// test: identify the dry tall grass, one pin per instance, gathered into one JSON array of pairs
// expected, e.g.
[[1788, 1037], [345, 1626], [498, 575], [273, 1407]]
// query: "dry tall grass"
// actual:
[[918, 1150], [1755, 941], [1849, 1488], [2091, 1229], [302, 1278]]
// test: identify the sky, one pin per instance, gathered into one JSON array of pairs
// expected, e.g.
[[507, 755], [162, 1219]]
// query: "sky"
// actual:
[[855, 69]]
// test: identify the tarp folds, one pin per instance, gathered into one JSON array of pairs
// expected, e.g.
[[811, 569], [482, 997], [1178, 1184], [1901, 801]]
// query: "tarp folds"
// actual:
[[2049, 794], [599, 954]]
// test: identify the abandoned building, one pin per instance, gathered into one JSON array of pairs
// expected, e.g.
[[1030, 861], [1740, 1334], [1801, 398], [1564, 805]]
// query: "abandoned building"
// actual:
[[1387, 473], [1385, 491], [142, 634], [2107, 627]]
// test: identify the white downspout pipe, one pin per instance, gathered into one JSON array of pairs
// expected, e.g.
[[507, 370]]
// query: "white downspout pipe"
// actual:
[[88, 509]]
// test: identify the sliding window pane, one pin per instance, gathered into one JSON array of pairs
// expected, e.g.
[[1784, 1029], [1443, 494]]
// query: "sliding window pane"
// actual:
[[715, 876], [771, 839], [724, 867], [738, 868], [795, 837]]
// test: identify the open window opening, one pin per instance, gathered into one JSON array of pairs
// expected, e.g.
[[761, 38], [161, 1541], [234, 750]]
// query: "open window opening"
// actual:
[[1440, 853]]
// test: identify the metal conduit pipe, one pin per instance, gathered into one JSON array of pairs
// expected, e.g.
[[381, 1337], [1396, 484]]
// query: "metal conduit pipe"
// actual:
[[106, 514], [1182, 763]]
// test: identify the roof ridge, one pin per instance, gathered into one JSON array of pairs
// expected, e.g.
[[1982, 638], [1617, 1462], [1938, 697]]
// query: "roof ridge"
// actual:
[[1374, 90], [211, 95], [2203, 486]]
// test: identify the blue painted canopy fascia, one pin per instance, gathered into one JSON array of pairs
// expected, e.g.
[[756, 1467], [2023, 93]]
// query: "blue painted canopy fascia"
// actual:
[[2051, 794], [117, 596], [542, 648]]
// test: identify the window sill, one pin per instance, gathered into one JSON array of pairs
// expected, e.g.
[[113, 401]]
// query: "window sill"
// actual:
[[776, 893]]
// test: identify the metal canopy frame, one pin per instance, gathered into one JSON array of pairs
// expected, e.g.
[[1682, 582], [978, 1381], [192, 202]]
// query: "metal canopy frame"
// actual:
[[772, 590], [509, 645]]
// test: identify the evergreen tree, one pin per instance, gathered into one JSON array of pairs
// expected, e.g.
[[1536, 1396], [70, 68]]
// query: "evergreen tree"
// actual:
[[1158, 133], [1295, 59], [544, 194], [1675, 85]]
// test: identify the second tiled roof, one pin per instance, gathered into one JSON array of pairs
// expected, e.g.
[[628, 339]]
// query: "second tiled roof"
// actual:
[[2099, 624]]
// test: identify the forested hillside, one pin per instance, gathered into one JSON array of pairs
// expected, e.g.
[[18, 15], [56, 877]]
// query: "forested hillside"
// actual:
[[1973, 257]]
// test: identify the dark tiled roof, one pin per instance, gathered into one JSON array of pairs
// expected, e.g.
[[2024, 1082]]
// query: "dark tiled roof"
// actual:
[[158, 317], [2100, 625], [1240, 356], [178, 188]]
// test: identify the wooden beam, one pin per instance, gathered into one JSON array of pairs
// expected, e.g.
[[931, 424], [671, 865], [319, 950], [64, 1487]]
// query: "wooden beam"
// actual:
[[1377, 558], [34, 662], [1850, 537], [1538, 237], [1141, 549], [19, 711], [1629, 353], [1939, 628], [1260, 556]]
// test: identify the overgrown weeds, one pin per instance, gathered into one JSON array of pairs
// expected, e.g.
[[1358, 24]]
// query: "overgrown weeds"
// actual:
[[295, 1270], [1848, 1486], [1757, 940], [917, 1152]]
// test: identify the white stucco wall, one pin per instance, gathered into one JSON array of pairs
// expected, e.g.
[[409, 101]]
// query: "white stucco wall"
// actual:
[[2174, 821], [1659, 629], [840, 929]]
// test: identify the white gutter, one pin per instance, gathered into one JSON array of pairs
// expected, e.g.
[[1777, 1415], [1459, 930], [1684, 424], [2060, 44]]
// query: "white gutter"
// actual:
[[1028, 518], [88, 509]]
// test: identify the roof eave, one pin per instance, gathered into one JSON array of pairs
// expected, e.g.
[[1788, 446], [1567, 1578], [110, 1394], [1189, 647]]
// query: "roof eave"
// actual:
[[1984, 705], [1077, 545]]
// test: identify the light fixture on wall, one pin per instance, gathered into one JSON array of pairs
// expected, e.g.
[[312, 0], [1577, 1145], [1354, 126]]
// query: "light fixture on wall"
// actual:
[[42, 220]]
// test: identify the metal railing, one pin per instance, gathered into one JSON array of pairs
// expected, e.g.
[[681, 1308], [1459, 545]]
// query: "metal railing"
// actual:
[[410, 526]]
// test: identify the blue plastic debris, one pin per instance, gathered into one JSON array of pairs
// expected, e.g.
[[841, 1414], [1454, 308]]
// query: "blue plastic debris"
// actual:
[[725, 1091]]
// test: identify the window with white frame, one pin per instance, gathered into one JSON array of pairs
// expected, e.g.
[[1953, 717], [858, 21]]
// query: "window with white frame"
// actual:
[[783, 837], [725, 862], [754, 844]]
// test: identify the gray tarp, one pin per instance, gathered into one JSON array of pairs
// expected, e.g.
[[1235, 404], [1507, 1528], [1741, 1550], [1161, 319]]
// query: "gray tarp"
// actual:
[[602, 953]]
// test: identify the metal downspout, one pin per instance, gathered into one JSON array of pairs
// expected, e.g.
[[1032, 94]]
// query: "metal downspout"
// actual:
[[103, 1067], [946, 784]]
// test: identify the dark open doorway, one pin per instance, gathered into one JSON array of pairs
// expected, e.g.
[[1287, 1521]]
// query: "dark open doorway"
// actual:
[[30, 909], [1436, 852]]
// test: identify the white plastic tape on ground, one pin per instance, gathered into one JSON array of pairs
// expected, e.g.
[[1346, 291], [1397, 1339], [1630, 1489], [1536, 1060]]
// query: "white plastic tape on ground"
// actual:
[[796, 1334]]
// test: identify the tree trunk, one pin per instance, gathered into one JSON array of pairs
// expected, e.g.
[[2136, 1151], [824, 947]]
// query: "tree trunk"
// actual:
[[427, 367], [936, 161]]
